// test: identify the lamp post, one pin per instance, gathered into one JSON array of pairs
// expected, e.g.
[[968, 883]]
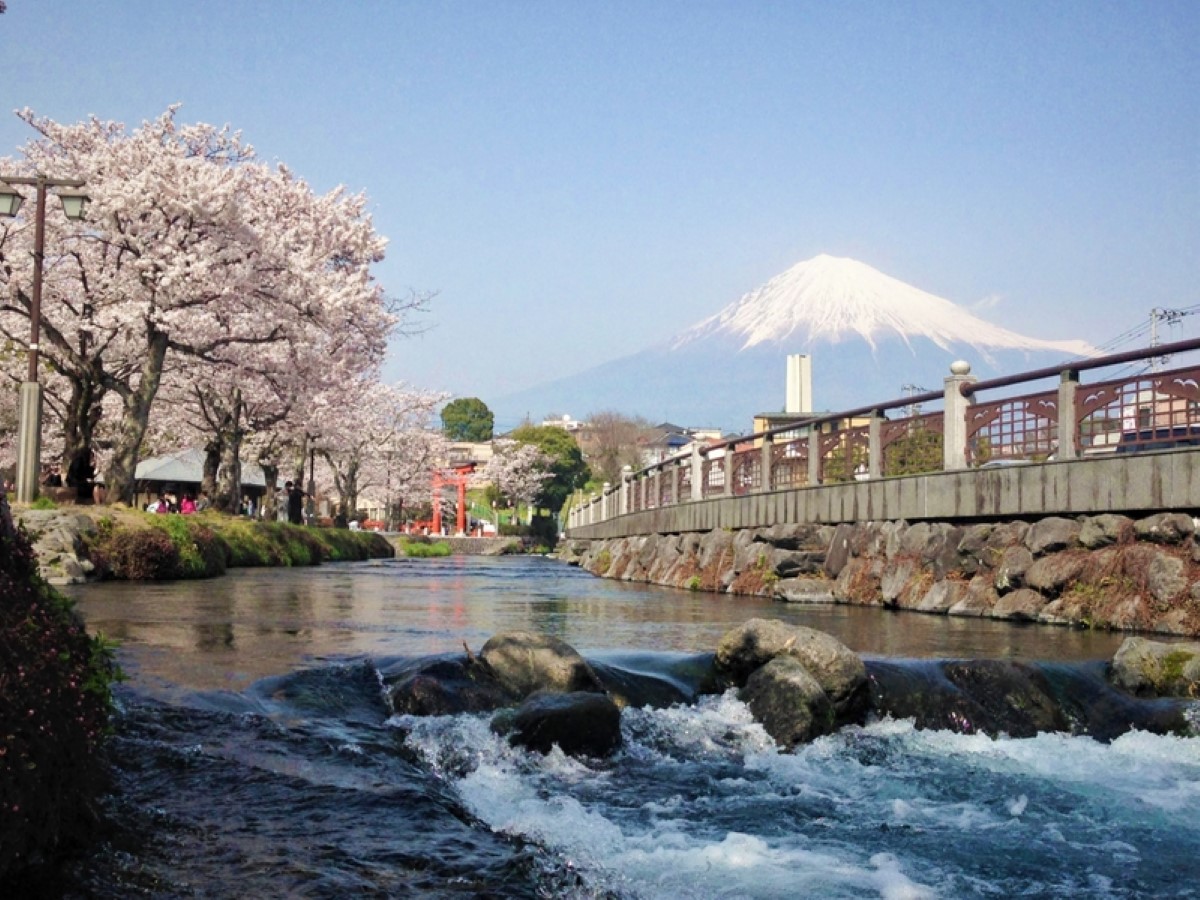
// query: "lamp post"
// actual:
[[29, 427], [312, 483]]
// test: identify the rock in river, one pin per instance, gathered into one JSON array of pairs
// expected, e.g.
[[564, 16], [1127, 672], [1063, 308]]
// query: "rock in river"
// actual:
[[581, 723]]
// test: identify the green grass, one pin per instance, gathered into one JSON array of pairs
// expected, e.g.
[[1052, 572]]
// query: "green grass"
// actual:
[[205, 545], [421, 550]]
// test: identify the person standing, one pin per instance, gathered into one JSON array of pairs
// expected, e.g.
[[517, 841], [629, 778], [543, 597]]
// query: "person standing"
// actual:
[[295, 503]]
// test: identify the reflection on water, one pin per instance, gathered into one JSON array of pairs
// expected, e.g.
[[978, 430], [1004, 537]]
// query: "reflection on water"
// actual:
[[227, 632]]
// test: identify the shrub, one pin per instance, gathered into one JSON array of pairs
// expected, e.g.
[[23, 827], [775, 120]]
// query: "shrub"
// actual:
[[55, 703], [191, 560], [138, 554]]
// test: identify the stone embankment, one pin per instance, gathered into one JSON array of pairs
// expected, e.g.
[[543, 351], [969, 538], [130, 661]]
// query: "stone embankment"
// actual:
[[57, 537], [1104, 571]]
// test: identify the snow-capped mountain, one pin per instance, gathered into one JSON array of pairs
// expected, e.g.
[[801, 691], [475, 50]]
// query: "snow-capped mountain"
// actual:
[[870, 336], [832, 299]]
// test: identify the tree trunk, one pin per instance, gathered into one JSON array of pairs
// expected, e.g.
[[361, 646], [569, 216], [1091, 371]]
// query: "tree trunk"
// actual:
[[119, 480], [82, 416], [212, 464], [229, 489], [270, 498], [229, 477]]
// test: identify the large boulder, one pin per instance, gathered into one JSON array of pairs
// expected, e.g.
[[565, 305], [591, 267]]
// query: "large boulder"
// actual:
[[58, 538], [1166, 577], [788, 702], [971, 548], [524, 663], [836, 667], [639, 689], [1156, 668], [804, 590], [579, 723], [793, 563], [1165, 528], [979, 599], [1051, 574], [1104, 530], [942, 596], [442, 686], [793, 537], [1022, 604], [840, 551], [1052, 534], [1016, 698], [1010, 571]]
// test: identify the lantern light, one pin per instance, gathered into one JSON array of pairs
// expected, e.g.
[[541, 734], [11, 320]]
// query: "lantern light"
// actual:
[[10, 200], [74, 203]]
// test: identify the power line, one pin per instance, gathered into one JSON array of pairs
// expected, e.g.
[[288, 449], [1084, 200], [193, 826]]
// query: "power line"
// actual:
[[1172, 317]]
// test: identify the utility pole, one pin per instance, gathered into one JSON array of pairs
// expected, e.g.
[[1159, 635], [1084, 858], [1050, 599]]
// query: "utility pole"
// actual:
[[913, 409], [1171, 317]]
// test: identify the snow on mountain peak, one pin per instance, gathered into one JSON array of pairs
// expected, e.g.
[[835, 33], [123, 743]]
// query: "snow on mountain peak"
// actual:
[[830, 299]]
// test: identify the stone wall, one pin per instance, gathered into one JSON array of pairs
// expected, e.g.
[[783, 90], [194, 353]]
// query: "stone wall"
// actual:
[[468, 546], [1105, 571]]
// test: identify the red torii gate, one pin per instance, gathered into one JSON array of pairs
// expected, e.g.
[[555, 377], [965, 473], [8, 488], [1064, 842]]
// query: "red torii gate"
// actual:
[[458, 480]]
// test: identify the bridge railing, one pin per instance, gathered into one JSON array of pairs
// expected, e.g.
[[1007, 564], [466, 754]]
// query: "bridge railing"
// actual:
[[1125, 413]]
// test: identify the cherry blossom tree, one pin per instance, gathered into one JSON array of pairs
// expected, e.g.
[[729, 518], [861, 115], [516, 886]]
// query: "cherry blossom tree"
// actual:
[[193, 251], [516, 472], [388, 433]]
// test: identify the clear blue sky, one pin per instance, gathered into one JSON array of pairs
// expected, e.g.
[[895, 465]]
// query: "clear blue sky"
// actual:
[[577, 180]]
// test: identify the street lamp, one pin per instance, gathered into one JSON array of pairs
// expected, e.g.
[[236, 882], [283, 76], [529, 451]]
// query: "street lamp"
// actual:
[[312, 482], [29, 429]]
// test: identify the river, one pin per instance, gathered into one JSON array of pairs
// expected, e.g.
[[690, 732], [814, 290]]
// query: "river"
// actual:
[[256, 756]]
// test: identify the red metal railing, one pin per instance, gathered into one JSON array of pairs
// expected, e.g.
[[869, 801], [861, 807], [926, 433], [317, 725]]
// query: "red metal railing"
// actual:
[[1142, 411]]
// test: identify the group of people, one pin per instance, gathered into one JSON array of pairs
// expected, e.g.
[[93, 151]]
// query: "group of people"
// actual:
[[291, 505], [167, 502]]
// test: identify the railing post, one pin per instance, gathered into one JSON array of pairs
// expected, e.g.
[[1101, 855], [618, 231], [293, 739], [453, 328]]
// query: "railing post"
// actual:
[[626, 477], [655, 487], [1068, 434], [676, 483], [605, 501], [814, 454], [697, 472], [727, 469], [644, 487], [764, 466], [874, 445], [954, 419]]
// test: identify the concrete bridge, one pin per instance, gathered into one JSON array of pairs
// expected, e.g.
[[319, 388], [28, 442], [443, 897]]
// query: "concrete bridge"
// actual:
[[1125, 445]]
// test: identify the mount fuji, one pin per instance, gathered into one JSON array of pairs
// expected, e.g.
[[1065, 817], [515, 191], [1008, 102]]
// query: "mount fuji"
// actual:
[[869, 335]]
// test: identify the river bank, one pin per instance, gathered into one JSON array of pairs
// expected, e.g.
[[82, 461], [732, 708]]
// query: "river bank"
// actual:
[[78, 544], [1105, 572]]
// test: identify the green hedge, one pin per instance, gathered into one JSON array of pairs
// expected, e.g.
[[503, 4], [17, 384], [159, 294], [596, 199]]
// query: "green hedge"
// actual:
[[173, 546]]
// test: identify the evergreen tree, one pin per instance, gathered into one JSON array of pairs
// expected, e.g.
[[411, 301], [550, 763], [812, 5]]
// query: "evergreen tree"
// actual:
[[467, 419]]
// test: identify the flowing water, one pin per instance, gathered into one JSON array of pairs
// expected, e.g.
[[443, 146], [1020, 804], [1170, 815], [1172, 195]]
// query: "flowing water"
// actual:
[[257, 757]]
